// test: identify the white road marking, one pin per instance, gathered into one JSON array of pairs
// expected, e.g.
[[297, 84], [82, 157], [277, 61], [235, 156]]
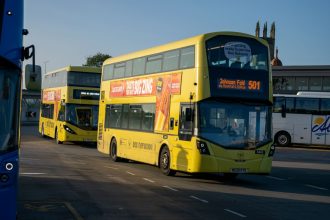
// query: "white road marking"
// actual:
[[236, 213], [33, 173], [316, 187], [114, 168], [170, 188], [275, 178], [28, 159], [151, 181], [74, 162], [73, 211], [130, 173], [300, 165], [202, 200], [118, 179]]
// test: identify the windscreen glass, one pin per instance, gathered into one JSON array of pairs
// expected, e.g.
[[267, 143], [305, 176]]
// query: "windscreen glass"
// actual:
[[9, 109]]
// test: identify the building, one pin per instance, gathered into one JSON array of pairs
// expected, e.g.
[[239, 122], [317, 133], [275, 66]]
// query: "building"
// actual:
[[291, 79], [30, 107], [270, 39]]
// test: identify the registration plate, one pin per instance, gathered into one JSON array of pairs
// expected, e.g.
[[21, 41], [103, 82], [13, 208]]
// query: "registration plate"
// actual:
[[239, 170]]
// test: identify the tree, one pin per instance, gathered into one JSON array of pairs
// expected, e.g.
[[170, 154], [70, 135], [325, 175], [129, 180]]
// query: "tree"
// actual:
[[96, 60]]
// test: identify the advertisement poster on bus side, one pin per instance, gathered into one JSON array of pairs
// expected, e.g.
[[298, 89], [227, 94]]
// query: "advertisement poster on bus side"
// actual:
[[52, 96], [160, 86]]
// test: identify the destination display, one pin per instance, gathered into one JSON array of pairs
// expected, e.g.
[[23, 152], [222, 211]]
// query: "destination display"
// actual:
[[240, 84], [238, 68], [86, 94]]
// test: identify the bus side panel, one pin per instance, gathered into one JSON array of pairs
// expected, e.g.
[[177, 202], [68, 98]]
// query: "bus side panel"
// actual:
[[282, 124], [11, 37], [302, 128], [319, 129], [8, 189], [138, 146]]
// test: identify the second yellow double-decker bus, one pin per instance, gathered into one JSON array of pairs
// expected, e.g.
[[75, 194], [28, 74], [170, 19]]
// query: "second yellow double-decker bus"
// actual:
[[202, 104], [69, 107]]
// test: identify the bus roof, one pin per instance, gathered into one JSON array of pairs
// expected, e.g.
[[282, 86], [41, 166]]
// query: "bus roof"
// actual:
[[87, 69], [177, 44], [306, 94], [314, 94]]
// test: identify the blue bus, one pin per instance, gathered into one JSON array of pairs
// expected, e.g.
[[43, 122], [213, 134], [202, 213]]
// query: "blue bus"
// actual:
[[12, 53]]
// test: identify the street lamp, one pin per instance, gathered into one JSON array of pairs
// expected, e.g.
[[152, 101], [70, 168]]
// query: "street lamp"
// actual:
[[45, 65]]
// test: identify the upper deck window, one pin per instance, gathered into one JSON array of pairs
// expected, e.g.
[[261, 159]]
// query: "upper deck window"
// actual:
[[171, 60], [119, 71], [108, 72], [63, 78], [178, 59], [154, 64], [187, 57], [139, 66], [236, 53], [84, 79]]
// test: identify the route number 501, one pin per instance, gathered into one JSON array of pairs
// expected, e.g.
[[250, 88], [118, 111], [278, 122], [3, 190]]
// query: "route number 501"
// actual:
[[254, 85]]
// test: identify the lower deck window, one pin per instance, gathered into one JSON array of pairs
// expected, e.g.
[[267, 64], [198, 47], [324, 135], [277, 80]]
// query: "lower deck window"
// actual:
[[133, 117]]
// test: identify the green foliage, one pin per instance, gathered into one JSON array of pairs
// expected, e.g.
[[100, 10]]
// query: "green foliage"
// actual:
[[96, 60]]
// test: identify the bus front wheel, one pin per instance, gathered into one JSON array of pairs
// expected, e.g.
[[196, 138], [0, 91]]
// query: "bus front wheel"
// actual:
[[42, 131], [165, 162], [113, 150], [56, 138], [283, 139]]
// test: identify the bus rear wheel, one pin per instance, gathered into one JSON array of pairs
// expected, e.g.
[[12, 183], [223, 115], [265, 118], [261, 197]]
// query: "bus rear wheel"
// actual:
[[165, 162], [283, 139], [113, 150]]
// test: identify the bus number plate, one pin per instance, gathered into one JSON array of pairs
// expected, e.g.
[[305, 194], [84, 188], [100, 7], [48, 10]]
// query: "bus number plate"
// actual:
[[239, 170]]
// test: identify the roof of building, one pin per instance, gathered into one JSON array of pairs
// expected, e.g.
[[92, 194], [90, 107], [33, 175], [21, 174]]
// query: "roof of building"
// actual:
[[276, 61]]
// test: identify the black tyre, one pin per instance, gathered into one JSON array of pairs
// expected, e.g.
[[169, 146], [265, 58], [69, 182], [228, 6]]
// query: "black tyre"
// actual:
[[42, 131], [56, 138], [165, 162], [113, 150], [283, 139]]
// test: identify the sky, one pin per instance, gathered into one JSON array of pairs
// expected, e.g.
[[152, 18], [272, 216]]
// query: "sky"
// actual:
[[66, 32]]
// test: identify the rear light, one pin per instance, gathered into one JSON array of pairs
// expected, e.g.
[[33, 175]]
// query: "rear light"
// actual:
[[271, 151], [69, 129], [202, 147]]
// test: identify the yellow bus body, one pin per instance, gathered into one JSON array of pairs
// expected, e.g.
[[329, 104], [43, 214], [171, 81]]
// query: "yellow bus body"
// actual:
[[146, 147], [57, 97]]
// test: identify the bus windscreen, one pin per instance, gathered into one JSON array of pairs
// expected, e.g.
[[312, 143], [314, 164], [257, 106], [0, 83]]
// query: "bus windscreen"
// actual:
[[9, 95]]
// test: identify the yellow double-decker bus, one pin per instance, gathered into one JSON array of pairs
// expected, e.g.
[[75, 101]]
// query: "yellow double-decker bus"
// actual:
[[202, 104], [69, 106]]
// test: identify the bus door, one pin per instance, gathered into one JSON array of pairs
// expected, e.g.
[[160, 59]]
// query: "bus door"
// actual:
[[186, 125], [48, 113], [319, 129], [301, 128]]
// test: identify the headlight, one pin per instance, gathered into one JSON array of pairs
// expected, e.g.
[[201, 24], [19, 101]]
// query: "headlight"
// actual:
[[202, 147], [69, 129], [271, 151]]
